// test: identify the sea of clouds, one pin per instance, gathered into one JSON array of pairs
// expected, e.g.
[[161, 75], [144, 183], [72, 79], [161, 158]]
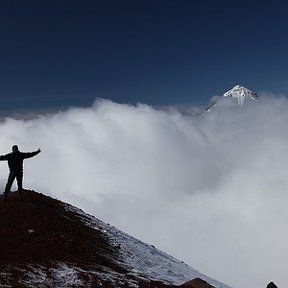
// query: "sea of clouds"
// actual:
[[211, 190]]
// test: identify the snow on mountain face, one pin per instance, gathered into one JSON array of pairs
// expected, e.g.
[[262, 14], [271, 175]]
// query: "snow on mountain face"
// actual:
[[240, 93], [61, 246], [144, 260], [232, 98]]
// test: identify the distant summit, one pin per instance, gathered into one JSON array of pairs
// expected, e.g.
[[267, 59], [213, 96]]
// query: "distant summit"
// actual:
[[237, 93], [240, 93]]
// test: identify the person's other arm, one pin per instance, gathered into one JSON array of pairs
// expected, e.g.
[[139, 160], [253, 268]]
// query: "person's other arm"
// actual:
[[30, 154]]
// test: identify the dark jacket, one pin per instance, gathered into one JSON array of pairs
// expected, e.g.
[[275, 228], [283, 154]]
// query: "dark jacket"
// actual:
[[15, 159]]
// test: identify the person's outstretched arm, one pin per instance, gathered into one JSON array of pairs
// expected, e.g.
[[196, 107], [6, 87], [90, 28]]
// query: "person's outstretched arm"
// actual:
[[4, 157], [30, 154]]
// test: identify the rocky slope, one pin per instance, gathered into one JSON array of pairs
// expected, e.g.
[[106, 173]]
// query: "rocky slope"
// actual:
[[47, 243]]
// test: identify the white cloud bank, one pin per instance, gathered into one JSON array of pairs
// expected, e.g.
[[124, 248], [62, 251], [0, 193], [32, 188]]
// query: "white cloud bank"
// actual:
[[212, 190]]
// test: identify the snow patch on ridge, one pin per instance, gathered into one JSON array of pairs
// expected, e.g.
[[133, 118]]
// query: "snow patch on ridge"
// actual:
[[60, 276]]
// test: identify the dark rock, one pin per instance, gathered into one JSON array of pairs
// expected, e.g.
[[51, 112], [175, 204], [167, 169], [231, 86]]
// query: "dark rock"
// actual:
[[196, 283]]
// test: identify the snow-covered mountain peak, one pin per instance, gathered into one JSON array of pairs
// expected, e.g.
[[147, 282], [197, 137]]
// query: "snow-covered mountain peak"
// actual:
[[240, 93]]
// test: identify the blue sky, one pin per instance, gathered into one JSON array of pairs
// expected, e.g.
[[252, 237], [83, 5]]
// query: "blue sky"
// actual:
[[160, 52]]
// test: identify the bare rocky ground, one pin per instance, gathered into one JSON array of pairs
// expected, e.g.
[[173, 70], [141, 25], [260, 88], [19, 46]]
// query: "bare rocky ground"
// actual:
[[39, 233]]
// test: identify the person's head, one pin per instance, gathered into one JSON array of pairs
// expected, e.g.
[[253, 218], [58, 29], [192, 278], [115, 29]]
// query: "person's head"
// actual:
[[271, 285], [15, 148]]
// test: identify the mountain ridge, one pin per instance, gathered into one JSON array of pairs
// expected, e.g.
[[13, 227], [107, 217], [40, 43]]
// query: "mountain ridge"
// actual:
[[49, 243]]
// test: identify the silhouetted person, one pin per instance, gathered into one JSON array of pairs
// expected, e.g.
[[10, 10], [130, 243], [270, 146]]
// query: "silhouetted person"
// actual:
[[271, 285], [15, 163]]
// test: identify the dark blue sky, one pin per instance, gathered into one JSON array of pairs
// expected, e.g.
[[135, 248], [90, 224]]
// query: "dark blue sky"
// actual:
[[159, 52]]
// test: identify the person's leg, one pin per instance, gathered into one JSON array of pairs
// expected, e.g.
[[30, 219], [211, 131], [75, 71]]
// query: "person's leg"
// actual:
[[19, 178], [11, 178]]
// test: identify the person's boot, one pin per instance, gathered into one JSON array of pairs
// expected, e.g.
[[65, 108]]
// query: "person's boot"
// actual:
[[5, 196]]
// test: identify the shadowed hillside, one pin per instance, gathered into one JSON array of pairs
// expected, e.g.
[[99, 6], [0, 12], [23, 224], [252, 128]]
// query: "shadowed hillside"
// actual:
[[47, 243]]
